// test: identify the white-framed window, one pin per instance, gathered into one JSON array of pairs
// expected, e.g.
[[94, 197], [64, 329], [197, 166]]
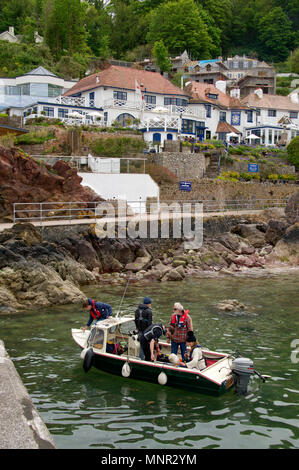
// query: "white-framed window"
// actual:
[[272, 112]]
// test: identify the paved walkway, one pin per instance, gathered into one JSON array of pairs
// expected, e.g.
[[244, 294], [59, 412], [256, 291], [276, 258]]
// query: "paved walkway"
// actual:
[[149, 217], [21, 426]]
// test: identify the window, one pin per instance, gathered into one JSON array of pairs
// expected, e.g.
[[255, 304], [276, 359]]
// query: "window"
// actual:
[[222, 116], [272, 112], [293, 114], [125, 119], [48, 111], [212, 96], [25, 89], [175, 101], [150, 99], [120, 95], [210, 81], [249, 116], [188, 127], [63, 113], [208, 110], [54, 90], [39, 89]]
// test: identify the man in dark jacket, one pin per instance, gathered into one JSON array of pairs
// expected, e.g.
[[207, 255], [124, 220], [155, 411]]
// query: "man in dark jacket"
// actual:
[[143, 319], [149, 338], [98, 311]]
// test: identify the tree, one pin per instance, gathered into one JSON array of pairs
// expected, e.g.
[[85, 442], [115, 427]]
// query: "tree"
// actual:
[[180, 25], [293, 152], [293, 61], [161, 57], [275, 35], [64, 26]]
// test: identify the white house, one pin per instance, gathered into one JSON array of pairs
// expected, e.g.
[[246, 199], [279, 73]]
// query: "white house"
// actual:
[[224, 114], [275, 115], [38, 84], [11, 37]]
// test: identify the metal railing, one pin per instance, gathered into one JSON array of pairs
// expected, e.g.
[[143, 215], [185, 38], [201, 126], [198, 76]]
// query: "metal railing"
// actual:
[[76, 211]]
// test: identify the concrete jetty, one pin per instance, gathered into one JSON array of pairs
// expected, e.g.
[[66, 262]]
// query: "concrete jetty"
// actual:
[[21, 426]]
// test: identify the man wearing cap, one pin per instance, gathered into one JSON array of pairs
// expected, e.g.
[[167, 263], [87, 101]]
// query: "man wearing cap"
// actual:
[[143, 319]]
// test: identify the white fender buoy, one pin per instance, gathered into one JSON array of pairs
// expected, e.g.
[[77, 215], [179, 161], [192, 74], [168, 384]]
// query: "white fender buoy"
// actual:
[[162, 378], [83, 352], [126, 370], [173, 358]]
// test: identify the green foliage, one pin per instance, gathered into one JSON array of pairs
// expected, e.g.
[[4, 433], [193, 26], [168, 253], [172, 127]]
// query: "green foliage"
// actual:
[[293, 61], [160, 54], [32, 138], [181, 26], [117, 146], [293, 152]]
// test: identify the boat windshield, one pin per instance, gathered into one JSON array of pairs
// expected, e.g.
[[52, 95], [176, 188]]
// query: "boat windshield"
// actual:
[[96, 338], [125, 328]]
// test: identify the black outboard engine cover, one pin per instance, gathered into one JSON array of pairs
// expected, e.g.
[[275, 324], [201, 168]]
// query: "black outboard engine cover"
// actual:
[[243, 369]]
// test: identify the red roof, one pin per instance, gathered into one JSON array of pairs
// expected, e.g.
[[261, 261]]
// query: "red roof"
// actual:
[[200, 91], [124, 77], [226, 128]]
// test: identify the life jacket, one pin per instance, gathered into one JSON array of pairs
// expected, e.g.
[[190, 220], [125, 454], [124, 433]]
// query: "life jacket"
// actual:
[[180, 322], [93, 311]]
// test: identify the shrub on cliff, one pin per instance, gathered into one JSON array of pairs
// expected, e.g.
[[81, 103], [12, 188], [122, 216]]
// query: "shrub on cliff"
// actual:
[[161, 174], [117, 146], [293, 152]]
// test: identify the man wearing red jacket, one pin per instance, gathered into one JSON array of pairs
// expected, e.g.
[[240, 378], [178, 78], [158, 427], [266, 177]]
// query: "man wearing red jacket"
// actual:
[[182, 323], [98, 311]]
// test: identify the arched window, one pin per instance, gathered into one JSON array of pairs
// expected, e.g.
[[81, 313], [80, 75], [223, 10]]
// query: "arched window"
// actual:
[[125, 119], [169, 137]]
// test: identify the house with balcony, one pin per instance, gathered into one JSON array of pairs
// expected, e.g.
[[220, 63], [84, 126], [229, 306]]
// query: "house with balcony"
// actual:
[[225, 115], [276, 117], [16, 94], [207, 71], [148, 99]]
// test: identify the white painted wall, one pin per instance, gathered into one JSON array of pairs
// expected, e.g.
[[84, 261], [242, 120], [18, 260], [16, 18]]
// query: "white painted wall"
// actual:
[[130, 187]]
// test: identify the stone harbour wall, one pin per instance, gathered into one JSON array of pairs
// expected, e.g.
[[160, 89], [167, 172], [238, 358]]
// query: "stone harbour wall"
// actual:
[[183, 165]]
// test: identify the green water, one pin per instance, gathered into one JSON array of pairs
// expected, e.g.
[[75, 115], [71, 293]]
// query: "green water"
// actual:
[[102, 411]]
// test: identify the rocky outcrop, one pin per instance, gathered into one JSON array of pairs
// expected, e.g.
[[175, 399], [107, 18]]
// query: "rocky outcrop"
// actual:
[[48, 267], [24, 179]]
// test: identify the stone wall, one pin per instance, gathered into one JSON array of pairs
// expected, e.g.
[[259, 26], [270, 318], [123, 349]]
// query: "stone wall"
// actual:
[[264, 168], [213, 189], [184, 166]]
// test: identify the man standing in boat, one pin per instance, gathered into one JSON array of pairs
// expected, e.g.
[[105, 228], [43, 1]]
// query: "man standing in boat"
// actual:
[[182, 323], [98, 311], [143, 319], [149, 339]]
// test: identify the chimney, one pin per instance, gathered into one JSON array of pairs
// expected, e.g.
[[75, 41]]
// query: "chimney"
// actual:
[[294, 97], [235, 93], [11, 30], [259, 93], [221, 85]]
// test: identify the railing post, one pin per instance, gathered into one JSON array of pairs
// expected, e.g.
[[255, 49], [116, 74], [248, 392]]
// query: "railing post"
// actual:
[[14, 212], [41, 213], [70, 212]]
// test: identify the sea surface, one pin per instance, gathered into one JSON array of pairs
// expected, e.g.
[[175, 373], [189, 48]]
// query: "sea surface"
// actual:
[[96, 410]]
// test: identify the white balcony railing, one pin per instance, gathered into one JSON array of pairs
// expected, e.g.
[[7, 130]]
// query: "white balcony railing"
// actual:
[[138, 105], [72, 101]]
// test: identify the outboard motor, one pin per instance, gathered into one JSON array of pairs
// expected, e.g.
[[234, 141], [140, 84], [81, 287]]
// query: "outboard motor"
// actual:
[[242, 369]]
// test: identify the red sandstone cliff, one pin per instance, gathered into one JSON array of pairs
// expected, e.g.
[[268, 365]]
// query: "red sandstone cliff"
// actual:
[[23, 179]]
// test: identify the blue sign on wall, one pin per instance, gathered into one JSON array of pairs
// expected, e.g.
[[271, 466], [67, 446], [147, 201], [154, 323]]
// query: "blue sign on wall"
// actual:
[[185, 185], [253, 168]]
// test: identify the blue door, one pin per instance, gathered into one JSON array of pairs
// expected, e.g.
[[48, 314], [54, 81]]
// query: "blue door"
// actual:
[[169, 137], [157, 137]]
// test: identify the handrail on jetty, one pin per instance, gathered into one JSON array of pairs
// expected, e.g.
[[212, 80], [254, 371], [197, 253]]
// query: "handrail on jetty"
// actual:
[[76, 211]]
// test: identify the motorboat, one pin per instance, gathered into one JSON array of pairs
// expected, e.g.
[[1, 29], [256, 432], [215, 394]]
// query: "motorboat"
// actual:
[[112, 346]]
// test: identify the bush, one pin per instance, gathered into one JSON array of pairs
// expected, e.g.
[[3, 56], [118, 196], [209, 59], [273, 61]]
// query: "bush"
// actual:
[[273, 177], [34, 137], [161, 174], [293, 152], [117, 146]]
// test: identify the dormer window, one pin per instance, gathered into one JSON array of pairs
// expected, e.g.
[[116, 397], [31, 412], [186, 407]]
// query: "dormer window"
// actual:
[[212, 96]]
